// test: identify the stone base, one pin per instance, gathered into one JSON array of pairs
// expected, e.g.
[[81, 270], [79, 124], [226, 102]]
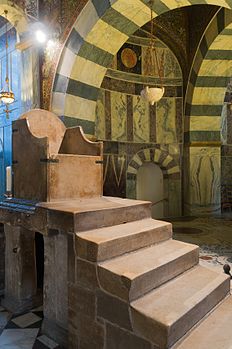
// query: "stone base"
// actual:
[[56, 332], [23, 305]]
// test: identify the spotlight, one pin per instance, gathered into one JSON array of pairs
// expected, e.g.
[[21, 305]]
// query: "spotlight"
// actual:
[[39, 33], [41, 37]]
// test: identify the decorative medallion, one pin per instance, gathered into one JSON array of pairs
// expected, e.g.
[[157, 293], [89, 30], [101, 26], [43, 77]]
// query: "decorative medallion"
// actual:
[[129, 58]]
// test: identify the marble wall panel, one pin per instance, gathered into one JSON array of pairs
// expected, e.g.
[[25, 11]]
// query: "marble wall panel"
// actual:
[[100, 116], [131, 188], [179, 120], [108, 134], [226, 163], [174, 150], [152, 115], [174, 198], [204, 179], [229, 125], [118, 116], [166, 121], [141, 120], [224, 124], [130, 118]]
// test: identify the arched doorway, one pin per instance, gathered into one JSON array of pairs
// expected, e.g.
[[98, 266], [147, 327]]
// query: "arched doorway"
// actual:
[[150, 187]]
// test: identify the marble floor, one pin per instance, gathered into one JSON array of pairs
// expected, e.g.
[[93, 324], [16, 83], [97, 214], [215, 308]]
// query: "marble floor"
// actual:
[[212, 234], [23, 331]]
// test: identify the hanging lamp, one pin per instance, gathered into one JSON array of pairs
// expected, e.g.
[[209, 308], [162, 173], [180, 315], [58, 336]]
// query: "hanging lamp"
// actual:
[[6, 95], [153, 94]]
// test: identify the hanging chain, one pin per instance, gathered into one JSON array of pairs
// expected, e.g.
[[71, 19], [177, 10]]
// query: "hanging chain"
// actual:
[[7, 63], [153, 50]]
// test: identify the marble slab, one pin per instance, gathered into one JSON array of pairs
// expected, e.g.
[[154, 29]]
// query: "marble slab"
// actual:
[[47, 341], [18, 338], [26, 320]]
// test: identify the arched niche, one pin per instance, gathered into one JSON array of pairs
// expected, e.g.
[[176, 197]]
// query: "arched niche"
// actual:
[[171, 178]]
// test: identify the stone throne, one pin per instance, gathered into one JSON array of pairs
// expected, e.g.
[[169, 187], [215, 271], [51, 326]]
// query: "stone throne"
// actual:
[[51, 162], [51, 165], [109, 268]]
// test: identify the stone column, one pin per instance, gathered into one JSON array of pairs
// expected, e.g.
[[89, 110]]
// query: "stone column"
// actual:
[[55, 323], [20, 269]]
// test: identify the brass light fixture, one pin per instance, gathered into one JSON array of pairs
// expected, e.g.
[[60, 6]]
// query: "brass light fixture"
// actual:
[[153, 94], [6, 95]]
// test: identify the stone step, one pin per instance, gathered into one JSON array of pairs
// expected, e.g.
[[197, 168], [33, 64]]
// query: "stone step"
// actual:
[[164, 315], [104, 243], [86, 214], [133, 274], [213, 332]]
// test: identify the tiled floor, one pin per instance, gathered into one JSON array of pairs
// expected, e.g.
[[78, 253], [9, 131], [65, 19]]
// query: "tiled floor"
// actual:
[[23, 331], [212, 234]]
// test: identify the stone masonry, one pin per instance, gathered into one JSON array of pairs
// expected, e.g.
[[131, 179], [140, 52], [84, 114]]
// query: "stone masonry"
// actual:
[[113, 276]]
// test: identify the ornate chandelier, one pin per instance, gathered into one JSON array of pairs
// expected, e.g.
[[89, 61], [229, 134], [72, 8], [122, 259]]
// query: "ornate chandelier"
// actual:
[[6, 95], [153, 94]]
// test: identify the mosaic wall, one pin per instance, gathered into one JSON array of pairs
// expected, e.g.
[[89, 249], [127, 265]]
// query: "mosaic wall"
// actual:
[[129, 125]]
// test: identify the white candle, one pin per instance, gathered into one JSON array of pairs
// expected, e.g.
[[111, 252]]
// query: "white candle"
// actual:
[[8, 179]]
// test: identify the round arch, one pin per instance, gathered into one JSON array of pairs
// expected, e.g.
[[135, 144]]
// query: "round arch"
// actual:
[[16, 16], [98, 33], [210, 75], [171, 175]]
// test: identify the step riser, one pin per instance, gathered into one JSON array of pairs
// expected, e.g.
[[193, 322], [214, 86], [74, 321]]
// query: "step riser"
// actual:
[[164, 337], [213, 332], [98, 253], [106, 218], [198, 312], [130, 290]]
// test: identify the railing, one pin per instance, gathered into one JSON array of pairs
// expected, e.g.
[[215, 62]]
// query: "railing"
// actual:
[[157, 202]]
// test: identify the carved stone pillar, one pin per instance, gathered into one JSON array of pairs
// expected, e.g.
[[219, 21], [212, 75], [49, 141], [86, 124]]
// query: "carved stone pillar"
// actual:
[[20, 269], [55, 323]]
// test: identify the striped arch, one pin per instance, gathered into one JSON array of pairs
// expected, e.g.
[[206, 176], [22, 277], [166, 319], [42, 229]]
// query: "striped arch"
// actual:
[[98, 33], [171, 175], [210, 75], [166, 162]]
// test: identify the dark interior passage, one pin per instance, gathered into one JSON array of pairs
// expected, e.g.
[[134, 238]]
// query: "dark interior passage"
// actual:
[[39, 249]]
